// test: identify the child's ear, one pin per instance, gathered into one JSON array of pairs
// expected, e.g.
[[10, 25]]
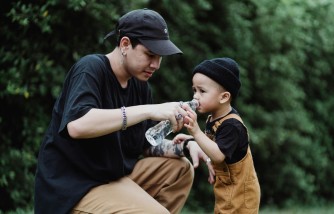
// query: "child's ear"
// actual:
[[225, 97]]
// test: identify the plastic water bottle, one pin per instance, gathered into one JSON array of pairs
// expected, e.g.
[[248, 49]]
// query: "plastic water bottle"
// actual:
[[156, 134]]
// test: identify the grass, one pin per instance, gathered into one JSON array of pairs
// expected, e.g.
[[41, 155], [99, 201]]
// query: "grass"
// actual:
[[264, 210], [298, 210], [292, 210]]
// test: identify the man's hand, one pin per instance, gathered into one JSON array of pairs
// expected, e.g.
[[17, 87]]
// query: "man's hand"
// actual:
[[179, 138], [196, 153]]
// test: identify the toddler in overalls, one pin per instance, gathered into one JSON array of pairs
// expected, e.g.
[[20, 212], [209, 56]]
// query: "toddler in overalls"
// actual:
[[225, 140]]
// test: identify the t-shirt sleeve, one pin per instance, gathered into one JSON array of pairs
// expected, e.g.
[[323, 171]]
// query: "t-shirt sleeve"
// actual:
[[82, 93], [227, 139]]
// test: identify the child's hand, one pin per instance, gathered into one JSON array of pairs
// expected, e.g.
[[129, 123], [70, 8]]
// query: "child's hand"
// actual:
[[180, 138], [196, 153], [190, 122], [211, 178]]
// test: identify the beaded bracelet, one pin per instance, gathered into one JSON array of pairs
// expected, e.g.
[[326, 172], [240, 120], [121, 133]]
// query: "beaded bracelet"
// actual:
[[125, 119]]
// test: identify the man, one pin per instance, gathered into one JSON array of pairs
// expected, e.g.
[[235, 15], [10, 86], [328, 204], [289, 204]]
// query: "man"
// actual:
[[91, 159]]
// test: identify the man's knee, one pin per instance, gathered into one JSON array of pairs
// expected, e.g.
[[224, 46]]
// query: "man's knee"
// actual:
[[188, 167], [184, 167]]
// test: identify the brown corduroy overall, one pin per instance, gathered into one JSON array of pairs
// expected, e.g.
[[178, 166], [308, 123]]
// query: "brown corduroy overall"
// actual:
[[236, 187]]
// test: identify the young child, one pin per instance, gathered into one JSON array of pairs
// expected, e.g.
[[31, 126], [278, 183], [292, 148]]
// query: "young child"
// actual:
[[225, 140]]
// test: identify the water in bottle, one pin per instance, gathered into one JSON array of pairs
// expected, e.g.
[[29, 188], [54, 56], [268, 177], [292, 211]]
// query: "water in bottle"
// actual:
[[156, 134]]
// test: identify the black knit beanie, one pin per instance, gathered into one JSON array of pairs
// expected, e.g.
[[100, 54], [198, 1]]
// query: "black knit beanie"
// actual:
[[224, 71]]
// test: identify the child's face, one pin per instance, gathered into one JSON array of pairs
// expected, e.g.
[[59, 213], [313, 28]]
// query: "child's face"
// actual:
[[207, 92]]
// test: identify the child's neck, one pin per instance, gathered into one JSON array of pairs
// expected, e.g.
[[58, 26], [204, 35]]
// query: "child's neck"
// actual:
[[221, 112]]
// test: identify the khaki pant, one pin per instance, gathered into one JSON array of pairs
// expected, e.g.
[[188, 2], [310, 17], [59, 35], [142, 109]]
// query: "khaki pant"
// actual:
[[157, 185]]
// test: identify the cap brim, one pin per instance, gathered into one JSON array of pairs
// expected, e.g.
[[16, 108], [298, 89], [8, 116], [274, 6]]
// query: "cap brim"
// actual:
[[109, 34], [161, 47]]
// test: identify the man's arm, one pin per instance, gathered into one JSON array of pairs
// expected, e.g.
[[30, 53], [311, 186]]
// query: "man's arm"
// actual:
[[99, 122], [172, 150], [166, 149]]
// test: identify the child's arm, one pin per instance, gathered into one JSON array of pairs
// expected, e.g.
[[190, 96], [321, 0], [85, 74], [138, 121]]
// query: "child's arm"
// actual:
[[197, 153], [207, 145]]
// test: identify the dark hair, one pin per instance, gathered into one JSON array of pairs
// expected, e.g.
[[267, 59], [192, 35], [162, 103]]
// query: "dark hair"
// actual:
[[134, 41]]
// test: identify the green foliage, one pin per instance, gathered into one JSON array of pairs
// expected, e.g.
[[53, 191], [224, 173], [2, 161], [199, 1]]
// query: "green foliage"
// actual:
[[284, 49], [295, 141], [40, 41]]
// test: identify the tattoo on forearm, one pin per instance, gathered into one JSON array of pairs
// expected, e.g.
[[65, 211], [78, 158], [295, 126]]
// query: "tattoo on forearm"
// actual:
[[178, 150], [167, 148], [157, 150]]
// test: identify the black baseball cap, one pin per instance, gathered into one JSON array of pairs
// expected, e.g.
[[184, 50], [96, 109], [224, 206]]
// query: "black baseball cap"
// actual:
[[149, 28]]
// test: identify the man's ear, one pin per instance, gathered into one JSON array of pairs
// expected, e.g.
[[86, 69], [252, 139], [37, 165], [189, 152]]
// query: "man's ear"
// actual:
[[224, 97], [125, 42]]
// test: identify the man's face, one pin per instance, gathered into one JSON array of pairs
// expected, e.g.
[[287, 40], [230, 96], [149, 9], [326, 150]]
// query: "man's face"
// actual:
[[141, 62]]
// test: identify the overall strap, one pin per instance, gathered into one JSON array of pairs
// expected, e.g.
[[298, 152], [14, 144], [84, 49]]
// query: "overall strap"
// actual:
[[229, 116]]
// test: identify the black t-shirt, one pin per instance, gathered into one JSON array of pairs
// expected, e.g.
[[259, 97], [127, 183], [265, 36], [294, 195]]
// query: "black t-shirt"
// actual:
[[67, 168], [231, 138]]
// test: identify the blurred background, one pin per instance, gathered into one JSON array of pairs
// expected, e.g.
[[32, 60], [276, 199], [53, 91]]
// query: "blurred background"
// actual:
[[285, 50]]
